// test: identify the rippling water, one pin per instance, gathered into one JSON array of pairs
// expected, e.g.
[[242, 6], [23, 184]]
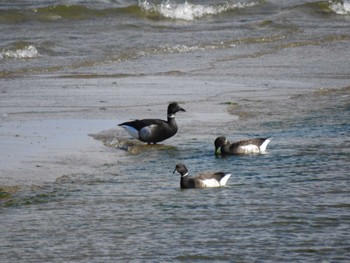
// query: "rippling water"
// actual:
[[291, 204]]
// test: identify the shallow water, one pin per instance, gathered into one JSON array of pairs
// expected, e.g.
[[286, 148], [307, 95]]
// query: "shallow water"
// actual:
[[72, 70], [290, 204]]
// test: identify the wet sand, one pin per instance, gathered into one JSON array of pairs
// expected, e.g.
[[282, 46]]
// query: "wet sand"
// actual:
[[45, 134]]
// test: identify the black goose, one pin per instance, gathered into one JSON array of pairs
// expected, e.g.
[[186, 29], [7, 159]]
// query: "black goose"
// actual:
[[203, 180], [256, 145], [154, 130]]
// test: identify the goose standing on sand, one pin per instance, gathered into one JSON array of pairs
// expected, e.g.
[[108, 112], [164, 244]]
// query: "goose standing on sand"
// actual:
[[154, 130], [202, 180], [256, 145]]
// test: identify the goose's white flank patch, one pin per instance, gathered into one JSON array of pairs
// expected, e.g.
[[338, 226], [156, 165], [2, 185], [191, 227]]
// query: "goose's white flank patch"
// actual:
[[250, 148], [147, 131], [132, 131], [211, 183]]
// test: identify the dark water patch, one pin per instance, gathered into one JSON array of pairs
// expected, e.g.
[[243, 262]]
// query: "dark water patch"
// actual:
[[6, 192], [315, 42], [65, 188], [332, 91], [321, 7], [27, 196], [65, 12]]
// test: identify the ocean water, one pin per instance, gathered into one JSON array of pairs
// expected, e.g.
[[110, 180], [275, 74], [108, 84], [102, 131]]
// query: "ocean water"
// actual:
[[240, 68]]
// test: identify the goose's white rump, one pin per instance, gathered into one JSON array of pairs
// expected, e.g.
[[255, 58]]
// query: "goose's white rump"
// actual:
[[131, 130], [264, 145], [215, 183]]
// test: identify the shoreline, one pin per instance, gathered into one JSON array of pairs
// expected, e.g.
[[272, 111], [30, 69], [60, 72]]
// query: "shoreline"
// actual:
[[44, 143]]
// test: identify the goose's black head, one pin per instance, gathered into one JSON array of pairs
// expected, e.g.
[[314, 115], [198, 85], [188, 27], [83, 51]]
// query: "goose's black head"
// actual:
[[173, 108], [181, 169], [219, 142]]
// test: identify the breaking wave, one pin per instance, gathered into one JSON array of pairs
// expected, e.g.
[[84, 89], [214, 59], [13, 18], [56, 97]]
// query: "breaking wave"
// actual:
[[26, 52], [187, 11], [340, 7]]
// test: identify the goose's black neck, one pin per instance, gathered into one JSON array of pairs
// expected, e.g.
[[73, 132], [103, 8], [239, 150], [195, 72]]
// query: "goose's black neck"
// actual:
[[171, 120], [186, 181]]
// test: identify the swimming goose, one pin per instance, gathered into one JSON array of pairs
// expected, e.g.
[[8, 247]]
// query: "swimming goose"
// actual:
[[154, 130], [202, 180], [256, 145]]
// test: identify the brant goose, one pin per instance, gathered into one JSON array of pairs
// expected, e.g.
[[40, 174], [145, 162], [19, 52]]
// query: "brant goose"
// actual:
[[202, 180], [154, 130], [256, 145]]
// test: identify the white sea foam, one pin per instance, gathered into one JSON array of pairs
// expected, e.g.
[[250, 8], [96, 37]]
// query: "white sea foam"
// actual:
[[187, 11], [341, 8], [26, 52], [180, 48]]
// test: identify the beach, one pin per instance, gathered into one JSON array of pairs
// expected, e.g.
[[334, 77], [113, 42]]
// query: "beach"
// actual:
[[75, 187]]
